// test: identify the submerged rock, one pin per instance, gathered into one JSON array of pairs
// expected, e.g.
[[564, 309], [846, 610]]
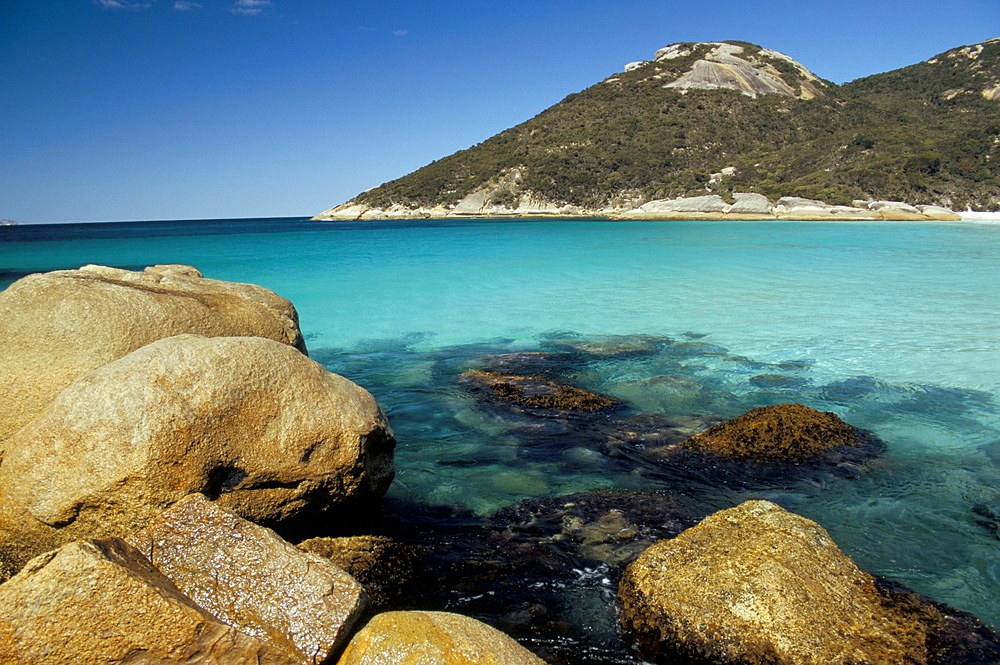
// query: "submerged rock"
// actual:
[[757, 584], [59, 325], [766, 447], [249, 422], [610, 527], [99, 602], [433, 638], [534, 392], [253, 580], [542, 570], [613, 346], [987, 514], [780, 432]]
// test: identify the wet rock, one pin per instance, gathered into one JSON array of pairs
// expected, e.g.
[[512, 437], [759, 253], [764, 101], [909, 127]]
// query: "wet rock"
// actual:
[[251, 579], [99, 602], [433, 638], [780, 432], [953, 637], [382, 565], [249, 422], [533, 392], [542, 570], [756, 584], [610, 527], [60, 325], [546, 363]]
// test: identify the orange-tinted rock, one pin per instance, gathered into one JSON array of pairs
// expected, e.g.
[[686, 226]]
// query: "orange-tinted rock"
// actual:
[[251, 423], [757, 584], [100, 602], [781, 432], [253, 580], [60, 325], [433, 638]]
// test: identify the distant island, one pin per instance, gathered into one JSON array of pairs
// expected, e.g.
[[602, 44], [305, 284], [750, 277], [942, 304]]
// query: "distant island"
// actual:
[[9, 222], [731, 130]]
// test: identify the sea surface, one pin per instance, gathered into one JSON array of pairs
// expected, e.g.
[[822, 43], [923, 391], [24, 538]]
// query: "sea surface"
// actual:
[[894, 326]]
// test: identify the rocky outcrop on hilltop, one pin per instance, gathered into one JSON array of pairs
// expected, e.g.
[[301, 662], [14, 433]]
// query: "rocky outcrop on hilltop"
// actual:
[[250, 422], [728, 119], [60, 325], [742, 67]]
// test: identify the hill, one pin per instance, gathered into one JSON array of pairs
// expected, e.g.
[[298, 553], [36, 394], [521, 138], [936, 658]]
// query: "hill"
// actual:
[[725, 118]]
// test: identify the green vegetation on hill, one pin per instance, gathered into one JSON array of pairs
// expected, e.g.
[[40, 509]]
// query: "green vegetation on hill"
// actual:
[[923, 134]]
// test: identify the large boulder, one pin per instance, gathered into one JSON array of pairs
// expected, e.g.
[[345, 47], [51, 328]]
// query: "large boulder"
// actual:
[[757, 584], [779, 432], [253, 580], [433, 638], [697, 204], [99, 602], [750, 203], [251, 423], [60, 325]]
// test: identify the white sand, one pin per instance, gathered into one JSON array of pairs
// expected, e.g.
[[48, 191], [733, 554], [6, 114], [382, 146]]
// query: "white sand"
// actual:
[[980, 216]]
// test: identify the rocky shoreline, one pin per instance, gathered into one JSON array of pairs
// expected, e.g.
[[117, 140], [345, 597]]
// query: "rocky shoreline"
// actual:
[[745, 207], [171, 440]]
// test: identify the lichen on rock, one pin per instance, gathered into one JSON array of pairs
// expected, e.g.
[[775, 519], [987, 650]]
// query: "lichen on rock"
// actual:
[[780, 432], [757, 584]]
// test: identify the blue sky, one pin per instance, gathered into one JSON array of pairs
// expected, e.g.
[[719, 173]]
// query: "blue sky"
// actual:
[[176, 109]]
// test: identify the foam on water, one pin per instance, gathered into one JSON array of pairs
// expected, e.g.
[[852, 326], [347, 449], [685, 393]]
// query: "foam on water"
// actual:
[[893, 326]]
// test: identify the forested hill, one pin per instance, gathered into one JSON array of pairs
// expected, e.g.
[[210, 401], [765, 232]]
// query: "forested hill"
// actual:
[[728, 117]]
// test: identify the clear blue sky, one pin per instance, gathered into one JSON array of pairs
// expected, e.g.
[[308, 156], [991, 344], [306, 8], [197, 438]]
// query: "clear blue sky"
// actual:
[[172, 109]]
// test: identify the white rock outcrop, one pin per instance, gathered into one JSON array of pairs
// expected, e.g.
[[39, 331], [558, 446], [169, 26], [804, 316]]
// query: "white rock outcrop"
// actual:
[[697, 204], [749, 203], [723, 67]]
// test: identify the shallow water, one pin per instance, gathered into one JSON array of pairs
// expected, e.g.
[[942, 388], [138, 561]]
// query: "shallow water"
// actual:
[[893, 326]]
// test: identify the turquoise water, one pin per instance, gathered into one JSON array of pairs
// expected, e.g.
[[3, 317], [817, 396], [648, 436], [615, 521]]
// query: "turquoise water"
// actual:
[[894, 326]]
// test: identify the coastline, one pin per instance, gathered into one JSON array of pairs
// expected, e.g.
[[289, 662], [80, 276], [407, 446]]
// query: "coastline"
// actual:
[[747, 207], [874, 216]]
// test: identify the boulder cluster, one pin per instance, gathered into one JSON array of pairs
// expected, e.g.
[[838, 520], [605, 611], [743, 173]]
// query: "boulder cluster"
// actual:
[[154, 425], [167, 434]]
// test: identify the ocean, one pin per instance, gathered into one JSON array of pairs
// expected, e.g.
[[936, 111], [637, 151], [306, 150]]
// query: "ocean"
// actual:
[[894, 326]]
